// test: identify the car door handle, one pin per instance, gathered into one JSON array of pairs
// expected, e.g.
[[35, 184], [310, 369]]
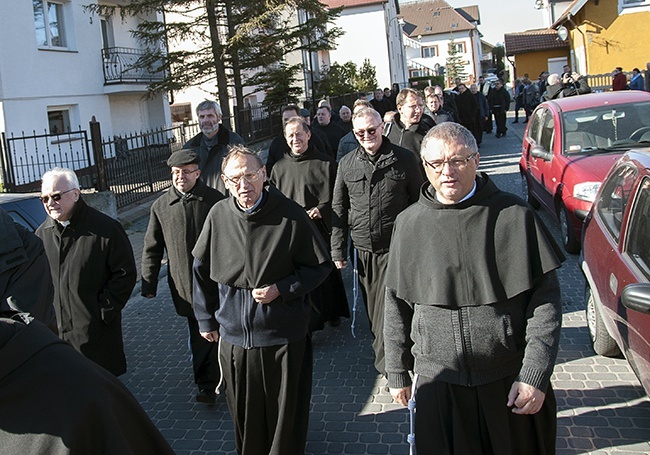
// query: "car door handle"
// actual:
[[613, 283]]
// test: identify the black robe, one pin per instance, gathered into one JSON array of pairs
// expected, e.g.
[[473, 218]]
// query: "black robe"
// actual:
[[54, 401], [309, 179]]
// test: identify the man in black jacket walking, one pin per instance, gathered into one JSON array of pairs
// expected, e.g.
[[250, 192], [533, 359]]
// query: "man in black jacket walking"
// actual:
[[175, 223], [92, 267], [374, 183]]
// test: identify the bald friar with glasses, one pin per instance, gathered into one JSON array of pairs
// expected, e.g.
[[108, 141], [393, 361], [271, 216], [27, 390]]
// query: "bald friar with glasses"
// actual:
[[256, 260], [473, 309], [374, 183]]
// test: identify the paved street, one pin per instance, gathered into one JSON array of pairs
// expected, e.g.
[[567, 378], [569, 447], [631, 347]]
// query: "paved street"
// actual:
[[602, 409]]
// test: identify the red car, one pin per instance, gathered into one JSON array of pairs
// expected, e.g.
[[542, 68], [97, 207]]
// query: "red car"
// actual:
[[616, 264], [571, 143]]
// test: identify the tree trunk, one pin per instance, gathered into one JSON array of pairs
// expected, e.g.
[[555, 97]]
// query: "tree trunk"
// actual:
[[218, 55]]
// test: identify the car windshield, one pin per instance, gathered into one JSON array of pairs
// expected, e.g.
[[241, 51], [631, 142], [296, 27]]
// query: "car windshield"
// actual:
[[606, 128]]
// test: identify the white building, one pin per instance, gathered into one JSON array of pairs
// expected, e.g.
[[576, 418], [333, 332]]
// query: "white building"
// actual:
[[430, 26], [61, 65], [372, 31]]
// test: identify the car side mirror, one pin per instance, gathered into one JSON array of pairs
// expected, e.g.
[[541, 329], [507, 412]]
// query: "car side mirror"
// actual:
[[636, 296], [539, 152]]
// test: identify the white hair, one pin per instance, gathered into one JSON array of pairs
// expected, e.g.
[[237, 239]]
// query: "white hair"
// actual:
[[60, 172]]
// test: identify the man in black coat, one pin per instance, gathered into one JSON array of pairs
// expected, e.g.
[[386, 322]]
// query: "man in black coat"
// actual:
[[175, 223], [374, 183], [212, 142], [257, 258], [279, 145], [92, 267], [307, 176], [499, 104], [410, 124], [54, 401], [473, 309], [332, 131], [25, 280]]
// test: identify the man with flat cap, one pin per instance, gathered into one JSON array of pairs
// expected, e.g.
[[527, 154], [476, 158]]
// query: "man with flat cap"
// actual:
[[176, 221]]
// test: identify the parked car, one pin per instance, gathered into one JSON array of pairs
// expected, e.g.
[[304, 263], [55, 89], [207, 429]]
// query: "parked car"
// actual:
[[24, 208], [570, 144], [616, 264]]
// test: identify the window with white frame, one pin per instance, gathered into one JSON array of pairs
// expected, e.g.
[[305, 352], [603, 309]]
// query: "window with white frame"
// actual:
[[429, 51], [633, 6], [49, 23], [417, 73], [459, 48]]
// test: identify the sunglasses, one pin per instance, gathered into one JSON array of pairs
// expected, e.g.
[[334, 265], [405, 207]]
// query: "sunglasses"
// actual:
[[370, 131], [56, 196]]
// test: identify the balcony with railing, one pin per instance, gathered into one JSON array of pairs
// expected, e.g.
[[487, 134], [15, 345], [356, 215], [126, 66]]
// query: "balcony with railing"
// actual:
[[120, 67]]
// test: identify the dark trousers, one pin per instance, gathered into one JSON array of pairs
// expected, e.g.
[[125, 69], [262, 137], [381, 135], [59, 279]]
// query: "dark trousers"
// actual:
[[372, 276], [204, 357], [454, 419], [268, 391], [500, 120], [487, 125]]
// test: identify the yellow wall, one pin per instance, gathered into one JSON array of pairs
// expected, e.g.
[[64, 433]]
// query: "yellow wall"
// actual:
[[611, 40], [534, 63]]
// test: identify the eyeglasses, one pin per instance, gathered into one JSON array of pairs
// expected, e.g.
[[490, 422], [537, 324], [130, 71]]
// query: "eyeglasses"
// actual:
[[250, 178], [370, 131], [56, 196], [185, 172], [454, 163]]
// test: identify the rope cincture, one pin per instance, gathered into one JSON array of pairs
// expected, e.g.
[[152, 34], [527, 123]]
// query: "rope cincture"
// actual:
[[355, 290], [216, 389]]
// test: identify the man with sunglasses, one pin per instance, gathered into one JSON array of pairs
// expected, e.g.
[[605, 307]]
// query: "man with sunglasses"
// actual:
[[175, 223], [374, 183], [257, 258], [473, 308], [93, 270]]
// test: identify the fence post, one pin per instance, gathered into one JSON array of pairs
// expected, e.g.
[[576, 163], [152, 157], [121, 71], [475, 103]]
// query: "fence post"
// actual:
[[98, 154]]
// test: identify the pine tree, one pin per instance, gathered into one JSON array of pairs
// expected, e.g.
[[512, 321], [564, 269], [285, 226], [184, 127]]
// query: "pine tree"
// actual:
[[454, 64], [235, 42]]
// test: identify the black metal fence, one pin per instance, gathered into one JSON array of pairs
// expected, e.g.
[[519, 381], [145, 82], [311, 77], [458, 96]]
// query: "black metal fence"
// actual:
[[136, 164], [133, 165], [25, 158]]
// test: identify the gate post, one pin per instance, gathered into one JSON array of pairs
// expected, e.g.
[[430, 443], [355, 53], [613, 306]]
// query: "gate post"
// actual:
[[96, 141]]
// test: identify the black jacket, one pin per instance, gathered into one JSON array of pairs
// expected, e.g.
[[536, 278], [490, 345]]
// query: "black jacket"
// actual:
[[211, 159], [279, 147], [238, 251], [54, 401], [174, 225], [409, 138], [368, 197], [25, 280], [94, 272]]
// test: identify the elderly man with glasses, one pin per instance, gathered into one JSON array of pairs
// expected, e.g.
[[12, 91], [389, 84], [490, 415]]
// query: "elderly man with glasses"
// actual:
[[374, 183], [257, 258], [175, 223], [93, 270], [473, 309]]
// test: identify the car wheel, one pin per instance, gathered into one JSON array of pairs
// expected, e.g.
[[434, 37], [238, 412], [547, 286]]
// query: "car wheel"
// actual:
[[525, 191], [569, 240], [602, 341]]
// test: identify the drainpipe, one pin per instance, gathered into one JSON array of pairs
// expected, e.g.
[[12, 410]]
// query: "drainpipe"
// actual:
[[584, 40]]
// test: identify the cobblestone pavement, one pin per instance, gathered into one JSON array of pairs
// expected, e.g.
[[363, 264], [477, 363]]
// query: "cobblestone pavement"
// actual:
[[602, 409]]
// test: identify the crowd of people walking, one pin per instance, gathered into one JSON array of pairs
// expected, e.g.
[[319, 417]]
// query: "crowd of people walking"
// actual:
[[389, 187]]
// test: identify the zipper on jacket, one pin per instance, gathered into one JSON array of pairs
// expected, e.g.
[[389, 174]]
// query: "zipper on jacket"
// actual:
[[465, 345], [246, 318]]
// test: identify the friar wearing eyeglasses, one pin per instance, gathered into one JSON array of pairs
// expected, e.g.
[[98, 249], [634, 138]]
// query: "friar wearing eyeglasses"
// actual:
[[93, 270], [473, 309], [175, 223], [374, 183], [256, 260]]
